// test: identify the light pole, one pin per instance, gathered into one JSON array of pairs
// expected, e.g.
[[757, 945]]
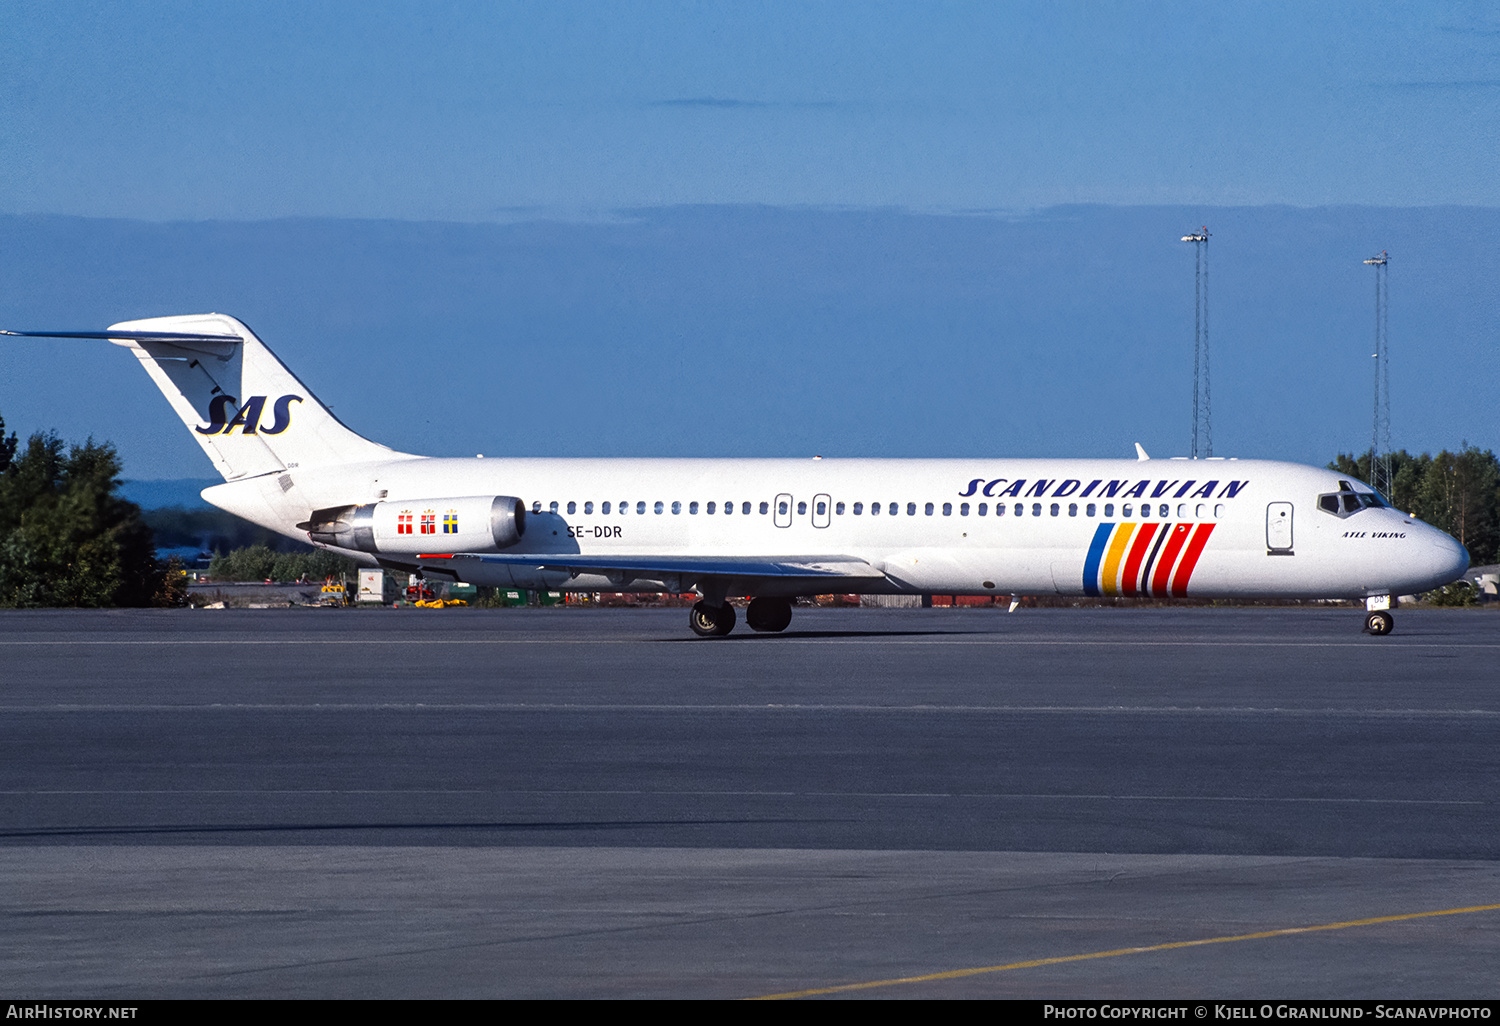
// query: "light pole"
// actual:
[[1380, 439], [1202, 401]]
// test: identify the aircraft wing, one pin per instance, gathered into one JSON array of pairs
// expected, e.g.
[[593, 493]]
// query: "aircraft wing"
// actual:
[[830, 567]]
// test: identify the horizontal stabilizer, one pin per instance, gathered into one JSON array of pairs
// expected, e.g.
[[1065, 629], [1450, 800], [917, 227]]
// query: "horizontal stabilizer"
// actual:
[[134, 336], [222, 346]]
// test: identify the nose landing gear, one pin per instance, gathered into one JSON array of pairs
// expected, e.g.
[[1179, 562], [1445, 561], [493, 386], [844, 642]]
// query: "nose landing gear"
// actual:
[[1379, 621]]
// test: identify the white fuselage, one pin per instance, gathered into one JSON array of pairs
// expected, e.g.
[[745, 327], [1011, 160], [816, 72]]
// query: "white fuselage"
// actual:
[[1209, 528]]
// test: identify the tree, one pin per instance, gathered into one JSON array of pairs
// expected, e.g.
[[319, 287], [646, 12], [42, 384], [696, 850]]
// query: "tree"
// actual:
[[1458, 492], [7, 447], [66, 537]]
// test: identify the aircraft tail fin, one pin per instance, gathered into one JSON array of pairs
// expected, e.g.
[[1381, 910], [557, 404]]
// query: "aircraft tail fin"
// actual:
[[249, 413]]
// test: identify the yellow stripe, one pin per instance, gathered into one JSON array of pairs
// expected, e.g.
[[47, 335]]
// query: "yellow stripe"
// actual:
[[960, 973], [1117, 549]]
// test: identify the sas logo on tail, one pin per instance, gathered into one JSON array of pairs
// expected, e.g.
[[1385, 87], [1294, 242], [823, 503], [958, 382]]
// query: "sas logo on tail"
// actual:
[[247, 419]]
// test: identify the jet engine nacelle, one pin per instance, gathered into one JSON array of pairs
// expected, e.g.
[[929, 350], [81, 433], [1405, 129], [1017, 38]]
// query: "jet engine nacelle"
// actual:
[[485, 523]]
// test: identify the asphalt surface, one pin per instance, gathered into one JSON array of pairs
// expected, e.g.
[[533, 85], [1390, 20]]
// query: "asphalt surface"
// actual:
[[520, 803]]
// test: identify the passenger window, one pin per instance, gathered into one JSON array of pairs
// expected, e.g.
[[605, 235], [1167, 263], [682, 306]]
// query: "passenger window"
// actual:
[[802, 508], [1201, 511], [588, 507], [821, 508], [911, 509], [947, 509], [640, 507], [929, 509], [604, 508], [765, 507], [1181, 510], [1165, 511], [1090, 509], [1125, 510], [874, 509], [1218, 511], [781, 508], [709, 509], [1072, 509], [984, 508], [536, 506], [1020, 508], [572, 508], [1055, 509], [1109, 509], [1036, 509], [692, 509], [552, 507], [728, 508], [676, 507], [963, 509], [624, 508], [859, 508], [838, 508], [999, 509]]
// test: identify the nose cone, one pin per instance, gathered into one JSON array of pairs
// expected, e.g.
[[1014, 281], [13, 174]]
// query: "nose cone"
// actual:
[[1443, 559]]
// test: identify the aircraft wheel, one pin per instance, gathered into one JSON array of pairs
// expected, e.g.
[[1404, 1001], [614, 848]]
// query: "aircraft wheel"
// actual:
[[1379, 622], [769, 614], [711, 621]]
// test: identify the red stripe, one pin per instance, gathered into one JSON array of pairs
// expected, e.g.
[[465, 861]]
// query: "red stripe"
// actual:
[[1190, 559], [1138, 551], [1164, 563]]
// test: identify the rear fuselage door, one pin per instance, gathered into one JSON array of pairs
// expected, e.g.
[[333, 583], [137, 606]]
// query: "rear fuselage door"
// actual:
[[783, 510], [1279, 528]]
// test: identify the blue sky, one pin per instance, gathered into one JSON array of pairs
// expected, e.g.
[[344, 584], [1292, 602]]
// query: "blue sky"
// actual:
[[1002, 276], [487, 111]]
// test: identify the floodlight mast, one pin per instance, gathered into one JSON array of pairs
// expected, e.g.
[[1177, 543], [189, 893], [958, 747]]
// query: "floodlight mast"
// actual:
[[1202, 400], [1380, 439]]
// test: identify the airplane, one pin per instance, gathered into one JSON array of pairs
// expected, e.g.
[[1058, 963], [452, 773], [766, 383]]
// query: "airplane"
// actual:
[[770, 530]]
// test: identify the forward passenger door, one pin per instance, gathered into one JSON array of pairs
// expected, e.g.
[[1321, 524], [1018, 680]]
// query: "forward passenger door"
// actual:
[[1279, 529]]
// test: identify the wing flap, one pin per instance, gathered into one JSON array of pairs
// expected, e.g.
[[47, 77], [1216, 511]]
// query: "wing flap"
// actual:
[[574, 563]]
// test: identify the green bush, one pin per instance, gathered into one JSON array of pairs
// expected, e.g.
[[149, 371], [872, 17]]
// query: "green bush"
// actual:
[[1459, 593], [66, 537], [259, 563]]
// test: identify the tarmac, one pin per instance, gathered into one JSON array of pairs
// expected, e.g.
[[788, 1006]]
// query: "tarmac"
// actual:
[[1145, 803]]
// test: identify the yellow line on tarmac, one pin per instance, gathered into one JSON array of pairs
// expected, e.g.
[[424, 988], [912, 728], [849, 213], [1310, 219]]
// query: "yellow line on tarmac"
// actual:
[[960, 973]]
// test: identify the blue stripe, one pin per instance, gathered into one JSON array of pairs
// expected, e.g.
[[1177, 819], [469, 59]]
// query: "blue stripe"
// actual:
[[1096, 554]]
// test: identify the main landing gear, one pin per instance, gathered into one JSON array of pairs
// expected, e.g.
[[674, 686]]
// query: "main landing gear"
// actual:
[[711, 621], [1379, 621], [764, 614], [769, 614]]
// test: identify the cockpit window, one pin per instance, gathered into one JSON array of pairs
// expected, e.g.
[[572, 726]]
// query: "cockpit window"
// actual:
[[1346, 501]]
